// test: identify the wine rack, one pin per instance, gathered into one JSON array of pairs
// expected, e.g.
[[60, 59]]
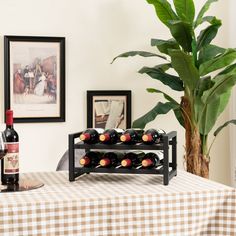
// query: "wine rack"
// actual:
[[167, 169]]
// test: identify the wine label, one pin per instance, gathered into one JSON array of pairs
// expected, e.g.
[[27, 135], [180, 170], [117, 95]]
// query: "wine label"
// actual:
[[161, 131], [11, 160], [99, 130], [118, 130]]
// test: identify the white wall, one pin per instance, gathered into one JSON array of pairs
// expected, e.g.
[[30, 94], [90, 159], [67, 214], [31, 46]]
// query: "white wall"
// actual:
[[96, 31], [232, 18]]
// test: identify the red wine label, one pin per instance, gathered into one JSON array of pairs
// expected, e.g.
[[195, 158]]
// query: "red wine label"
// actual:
[[11, 160]]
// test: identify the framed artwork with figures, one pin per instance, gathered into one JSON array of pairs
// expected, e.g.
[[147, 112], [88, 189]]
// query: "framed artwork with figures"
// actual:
[[109, 109], [35, 78]]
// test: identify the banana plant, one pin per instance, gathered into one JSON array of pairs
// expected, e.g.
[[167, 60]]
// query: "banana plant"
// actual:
[[204, 93]]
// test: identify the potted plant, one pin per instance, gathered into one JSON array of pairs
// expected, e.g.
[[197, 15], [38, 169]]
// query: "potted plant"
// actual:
[[205, 76]]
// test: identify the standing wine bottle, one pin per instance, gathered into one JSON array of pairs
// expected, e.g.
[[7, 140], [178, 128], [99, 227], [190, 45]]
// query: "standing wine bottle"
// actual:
[[91, 136], [150, 160], [111, 136], [111, 159], [10, 163], [132, 159], [151, 136], [91, 159], [132, 136]]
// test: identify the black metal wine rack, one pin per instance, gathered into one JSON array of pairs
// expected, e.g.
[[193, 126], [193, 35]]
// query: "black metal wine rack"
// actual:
[[167, 169]]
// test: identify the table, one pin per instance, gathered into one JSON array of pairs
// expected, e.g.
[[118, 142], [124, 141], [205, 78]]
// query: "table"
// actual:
[[117, 204]]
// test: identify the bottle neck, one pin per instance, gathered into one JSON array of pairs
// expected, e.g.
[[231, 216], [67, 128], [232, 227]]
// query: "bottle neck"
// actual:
[[9, 126], [9, 119]]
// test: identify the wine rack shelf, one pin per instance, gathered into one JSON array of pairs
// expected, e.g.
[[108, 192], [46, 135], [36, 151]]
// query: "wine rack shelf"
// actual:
[[166, 168]]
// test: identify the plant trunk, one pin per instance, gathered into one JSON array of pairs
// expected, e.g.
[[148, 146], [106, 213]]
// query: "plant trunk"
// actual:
[[196, 162]]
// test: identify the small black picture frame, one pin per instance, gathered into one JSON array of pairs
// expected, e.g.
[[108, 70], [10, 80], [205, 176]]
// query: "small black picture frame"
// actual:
[[109, 109], [34, 73]]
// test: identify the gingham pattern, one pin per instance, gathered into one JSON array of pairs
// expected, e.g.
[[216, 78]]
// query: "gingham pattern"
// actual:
[[115, 204]]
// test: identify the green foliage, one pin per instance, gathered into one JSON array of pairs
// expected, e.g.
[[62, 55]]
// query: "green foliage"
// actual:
[[185, 10], [163, 11], [219, 62], [159, 109], [139, 53], [202, 12], [208, 52], [182, 33], [172, 81], [164, 45], [224, 125], [184, 66], [211, 112], [196, 61], [223, 84], [207, 35], [177, 109]]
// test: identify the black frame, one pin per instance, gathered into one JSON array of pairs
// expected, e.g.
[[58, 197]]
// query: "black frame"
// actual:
[[92, 93], [61, 41]]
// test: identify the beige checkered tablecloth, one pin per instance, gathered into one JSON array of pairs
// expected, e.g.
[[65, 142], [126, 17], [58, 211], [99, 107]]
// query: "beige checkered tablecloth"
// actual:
[[115, 204]]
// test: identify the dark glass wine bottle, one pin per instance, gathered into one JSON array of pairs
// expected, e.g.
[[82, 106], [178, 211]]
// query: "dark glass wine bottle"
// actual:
[[91, 136], [132, 159], [111, 159], [91, 159], [132, 136], [111, 136], [150, 160], [151, 136], [10, 163]]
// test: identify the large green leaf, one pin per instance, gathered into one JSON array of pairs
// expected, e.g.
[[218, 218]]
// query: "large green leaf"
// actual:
[[164, 67], [163, 11], [172, 81], [208, 116], [177, 110], [219, 62], [212, 111], [166, 96], [207, 35], [184, 66], [164, 45], [159, 109], [209, 52], [223, 84], [204, 84], [194, 51], [211, 19], [223, 126], [185, 10], [229, 70], [179, 116], [139, 53], [182, 32], [204, 9], [224, 100]]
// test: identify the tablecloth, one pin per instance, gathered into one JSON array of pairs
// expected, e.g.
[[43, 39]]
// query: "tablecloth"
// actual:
[[119, 204]]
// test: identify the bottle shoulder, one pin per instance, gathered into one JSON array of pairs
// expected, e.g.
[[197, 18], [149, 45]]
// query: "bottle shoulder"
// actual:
[[11, 135]]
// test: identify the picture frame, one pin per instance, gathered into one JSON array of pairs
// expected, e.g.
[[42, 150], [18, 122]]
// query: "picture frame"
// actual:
[[34, 74], [109, 109]]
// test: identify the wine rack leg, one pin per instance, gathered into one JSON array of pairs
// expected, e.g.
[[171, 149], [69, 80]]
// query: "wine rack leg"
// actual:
[[71, 158], [166, 160], [174, 154]]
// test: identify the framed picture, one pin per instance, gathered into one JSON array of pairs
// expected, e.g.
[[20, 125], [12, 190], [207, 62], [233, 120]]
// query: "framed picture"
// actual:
[[109, 109], [35, 78]]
